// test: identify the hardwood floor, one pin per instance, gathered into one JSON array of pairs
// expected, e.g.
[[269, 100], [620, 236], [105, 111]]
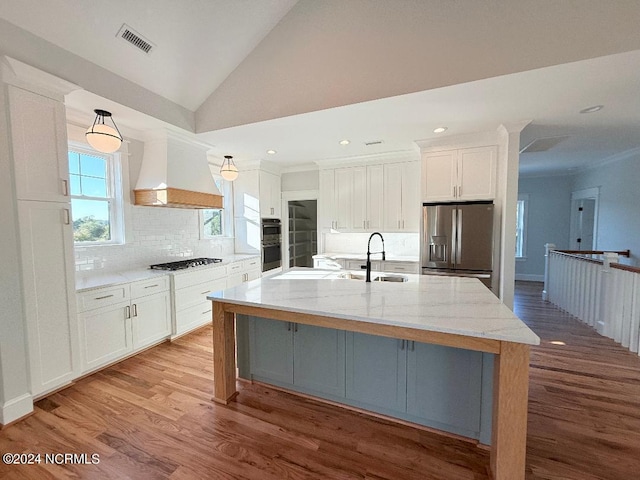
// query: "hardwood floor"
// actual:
[[151, 417]]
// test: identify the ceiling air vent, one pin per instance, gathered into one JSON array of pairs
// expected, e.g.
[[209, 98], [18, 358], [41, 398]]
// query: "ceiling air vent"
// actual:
[[543, 144], [135, 39]]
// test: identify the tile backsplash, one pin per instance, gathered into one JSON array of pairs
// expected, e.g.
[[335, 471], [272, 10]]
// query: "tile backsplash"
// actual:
[[395, 243], [156, 235]]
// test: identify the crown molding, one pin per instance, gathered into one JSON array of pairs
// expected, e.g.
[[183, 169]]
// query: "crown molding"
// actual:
[[370, 159], [452, 142], [22, 75]]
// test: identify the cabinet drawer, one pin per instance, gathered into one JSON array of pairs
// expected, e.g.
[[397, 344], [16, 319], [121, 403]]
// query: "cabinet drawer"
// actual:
[[187, 279], [362, 265], [251, 264], [193, 317], [149, 287], [102, 297], [196, 294], [402, 267], [235, 268]]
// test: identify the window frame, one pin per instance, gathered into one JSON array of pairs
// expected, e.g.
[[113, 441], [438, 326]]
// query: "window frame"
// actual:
[[114, 197], [225, 188], [521, 226]]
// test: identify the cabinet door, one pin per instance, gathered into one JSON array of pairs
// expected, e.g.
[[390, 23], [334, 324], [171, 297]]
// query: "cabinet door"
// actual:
[[377, 371], [444, 385], [411, 206], [326, 200], [269, 195], [246, 197], [151, 319], [392, 197], [358, 201], [319, 359], [343, 210], [106, 335], [39, 139], [276, 196], [439, 172], [271, 344], [477, 173], [49, 293], [375, 197]]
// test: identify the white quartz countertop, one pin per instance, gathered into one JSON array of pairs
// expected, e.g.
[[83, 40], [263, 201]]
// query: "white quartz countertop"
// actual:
[[363, 256], [88, 282], [456, 305]]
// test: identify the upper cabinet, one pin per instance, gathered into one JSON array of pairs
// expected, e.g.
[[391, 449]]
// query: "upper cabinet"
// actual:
[[401, 197], [270, 195], [39, 141], [352, 198], [460, 175]]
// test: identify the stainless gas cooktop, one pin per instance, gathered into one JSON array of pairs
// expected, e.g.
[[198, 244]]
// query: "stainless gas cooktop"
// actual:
[[182, 264]]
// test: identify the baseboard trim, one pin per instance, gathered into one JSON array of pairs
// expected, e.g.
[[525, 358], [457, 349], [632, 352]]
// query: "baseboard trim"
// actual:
[[526, 277], [15, 409]]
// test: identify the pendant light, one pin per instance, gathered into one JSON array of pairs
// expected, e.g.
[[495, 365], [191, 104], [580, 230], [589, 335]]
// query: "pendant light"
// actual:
[[102, 137], [228, 170]]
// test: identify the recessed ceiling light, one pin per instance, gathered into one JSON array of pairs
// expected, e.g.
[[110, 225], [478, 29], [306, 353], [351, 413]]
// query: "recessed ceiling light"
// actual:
[[439, 129], [595, 108], [344, 142], [271, 152]]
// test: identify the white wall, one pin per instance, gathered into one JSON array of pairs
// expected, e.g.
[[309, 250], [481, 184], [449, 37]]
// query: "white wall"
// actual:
[[618, 217], [294, 181], [548, 216]]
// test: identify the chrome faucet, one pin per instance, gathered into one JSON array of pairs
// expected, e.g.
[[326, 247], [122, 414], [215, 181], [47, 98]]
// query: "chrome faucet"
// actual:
[[369, 252]]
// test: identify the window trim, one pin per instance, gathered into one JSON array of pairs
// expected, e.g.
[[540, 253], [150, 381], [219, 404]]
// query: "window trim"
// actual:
[[114, 191], [524, 198], [225, 188]]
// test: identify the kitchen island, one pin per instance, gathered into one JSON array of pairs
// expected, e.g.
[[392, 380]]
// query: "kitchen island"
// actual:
[[444, 311]]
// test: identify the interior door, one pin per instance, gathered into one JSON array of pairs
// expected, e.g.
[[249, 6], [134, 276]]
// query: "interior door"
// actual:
[[583, 213]]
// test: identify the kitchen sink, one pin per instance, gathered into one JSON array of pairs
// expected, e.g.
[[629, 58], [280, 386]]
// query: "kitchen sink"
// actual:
[[377, 278]]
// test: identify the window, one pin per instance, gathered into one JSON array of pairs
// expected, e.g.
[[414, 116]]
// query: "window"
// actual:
[[95, 197], [215, 222], [521, 226]]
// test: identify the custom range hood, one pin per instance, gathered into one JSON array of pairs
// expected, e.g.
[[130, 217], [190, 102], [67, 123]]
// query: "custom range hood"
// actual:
[[175, 173]]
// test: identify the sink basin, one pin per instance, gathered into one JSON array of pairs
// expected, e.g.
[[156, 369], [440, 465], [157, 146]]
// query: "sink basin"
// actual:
[[376, 278]]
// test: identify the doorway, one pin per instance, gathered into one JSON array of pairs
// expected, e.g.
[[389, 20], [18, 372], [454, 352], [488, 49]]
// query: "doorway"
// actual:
[[584, 219], [303, 232]]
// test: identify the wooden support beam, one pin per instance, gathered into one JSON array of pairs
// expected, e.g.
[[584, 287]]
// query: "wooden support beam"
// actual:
[[224, 354]]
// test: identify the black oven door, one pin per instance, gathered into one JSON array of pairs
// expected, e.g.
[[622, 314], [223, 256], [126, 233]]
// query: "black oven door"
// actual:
[[271, 256]]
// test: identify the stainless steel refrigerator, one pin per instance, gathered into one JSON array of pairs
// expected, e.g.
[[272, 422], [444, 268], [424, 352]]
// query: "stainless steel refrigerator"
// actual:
[[457, 239]]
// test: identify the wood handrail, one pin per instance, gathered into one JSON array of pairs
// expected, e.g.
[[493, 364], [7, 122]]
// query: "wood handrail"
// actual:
[[579, 254], [626, 268], [622, 253]]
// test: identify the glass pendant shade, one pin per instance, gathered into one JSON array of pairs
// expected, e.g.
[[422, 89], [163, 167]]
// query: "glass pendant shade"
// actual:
[[229, 171], [102, 137]]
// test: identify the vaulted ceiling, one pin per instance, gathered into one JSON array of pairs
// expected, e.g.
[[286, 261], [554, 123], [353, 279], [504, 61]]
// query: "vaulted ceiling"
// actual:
[[298, 77]]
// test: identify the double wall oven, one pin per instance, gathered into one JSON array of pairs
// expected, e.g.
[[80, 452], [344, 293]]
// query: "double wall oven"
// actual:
[[271, 243]]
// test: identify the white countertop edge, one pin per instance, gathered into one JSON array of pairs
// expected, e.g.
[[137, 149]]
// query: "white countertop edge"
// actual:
[[524, 336]]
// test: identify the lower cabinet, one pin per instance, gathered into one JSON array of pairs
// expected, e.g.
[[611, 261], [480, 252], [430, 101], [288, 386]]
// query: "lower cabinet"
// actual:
[[117, 321], [441, 387], [312, 358]]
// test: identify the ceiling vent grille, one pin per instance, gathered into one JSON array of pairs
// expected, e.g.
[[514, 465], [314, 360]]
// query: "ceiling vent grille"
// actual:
[[543, 144], [134, 38]]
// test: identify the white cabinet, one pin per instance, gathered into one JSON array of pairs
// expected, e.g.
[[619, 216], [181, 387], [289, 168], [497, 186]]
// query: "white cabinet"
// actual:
[[351, 198], [244, 271], [191, 309], [117, 321], [402, 197], [39, 150], [460, 175], [400, 267], [39, 142], [270, 194], [47, 279]]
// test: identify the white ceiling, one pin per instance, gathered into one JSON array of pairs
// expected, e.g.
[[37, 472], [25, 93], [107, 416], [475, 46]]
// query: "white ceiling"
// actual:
[[550, 97], [197, 42]]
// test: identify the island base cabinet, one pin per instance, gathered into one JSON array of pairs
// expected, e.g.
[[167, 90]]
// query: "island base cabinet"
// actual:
[[319, 359], [376, 371], [309, 358], [444, 385]]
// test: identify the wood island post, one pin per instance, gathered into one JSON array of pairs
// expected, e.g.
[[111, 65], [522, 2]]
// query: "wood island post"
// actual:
[[224, 357]]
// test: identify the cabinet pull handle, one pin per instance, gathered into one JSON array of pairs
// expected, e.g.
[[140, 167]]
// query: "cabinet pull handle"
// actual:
[[152, 286], [135, 310], [102, 298], [288, 326], [65, 187], [206, 311], [401, 344], [459, 190], [413, 345], [295, 327], [127, 312], [204, 293], [453, 191], [67, 217]]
